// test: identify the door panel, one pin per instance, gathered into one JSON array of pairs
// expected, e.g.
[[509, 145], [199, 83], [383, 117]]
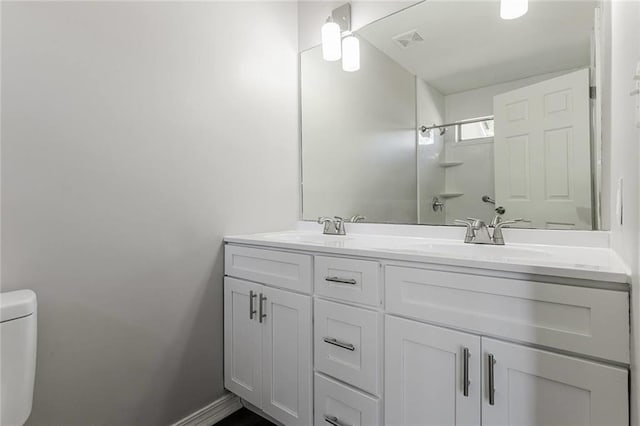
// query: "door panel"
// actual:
[[287, 368], [543, 152], [539, 388], [242, 341], [424, 368]]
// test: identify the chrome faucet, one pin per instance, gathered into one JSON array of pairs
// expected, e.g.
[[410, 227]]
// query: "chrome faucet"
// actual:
[[478, 231], [333, 226]]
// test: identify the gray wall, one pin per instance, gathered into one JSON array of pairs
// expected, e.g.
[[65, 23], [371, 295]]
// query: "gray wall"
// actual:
[[621, 22], [134, 136]]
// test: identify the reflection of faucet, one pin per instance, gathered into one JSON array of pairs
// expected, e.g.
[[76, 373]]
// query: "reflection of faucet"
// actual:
[[478, 232], [357, 218], [333, 226]]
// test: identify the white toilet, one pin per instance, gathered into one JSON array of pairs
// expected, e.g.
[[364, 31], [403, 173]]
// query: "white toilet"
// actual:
[[18, 337]]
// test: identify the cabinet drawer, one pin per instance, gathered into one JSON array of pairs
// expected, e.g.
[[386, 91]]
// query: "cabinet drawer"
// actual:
[[347, 344], [348, 279], [342, 405], [582, 320], [281, 269]]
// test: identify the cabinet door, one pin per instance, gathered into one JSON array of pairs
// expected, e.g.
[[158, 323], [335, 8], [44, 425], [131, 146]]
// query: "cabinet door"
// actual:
[[242, 340], [539, 388], [424, 375], [286, 365]]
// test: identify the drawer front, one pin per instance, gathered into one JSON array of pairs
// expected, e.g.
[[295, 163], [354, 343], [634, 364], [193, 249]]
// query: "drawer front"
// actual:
[[582, 320], [348, 279], [277, 268], [340, 405], [347, 344]]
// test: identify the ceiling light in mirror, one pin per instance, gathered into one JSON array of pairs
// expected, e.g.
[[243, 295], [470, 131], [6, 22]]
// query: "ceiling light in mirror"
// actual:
[[331, 41], [350, 54], [512, 9]]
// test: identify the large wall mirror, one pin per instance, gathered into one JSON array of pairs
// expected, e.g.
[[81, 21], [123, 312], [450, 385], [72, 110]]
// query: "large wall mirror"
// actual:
[[455, 113]]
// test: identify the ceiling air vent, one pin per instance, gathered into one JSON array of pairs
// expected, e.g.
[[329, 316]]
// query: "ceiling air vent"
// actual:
[[408, 39]]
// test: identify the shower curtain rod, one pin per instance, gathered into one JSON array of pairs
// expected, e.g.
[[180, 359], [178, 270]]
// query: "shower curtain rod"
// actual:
[[440, 126]]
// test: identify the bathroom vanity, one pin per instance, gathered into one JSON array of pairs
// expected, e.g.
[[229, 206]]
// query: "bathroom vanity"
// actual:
[[365, 330]]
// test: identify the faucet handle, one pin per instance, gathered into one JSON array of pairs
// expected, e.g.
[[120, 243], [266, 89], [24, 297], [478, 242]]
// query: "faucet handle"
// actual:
[[508, 222], [339, 225], [475, 222], [323, 220], [498, 238], [470, 234]]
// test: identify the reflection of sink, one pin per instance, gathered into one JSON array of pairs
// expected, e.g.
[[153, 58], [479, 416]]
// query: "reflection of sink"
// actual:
[[474, 250]]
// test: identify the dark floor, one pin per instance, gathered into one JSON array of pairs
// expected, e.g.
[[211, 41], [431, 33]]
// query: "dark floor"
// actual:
[[244, 417]]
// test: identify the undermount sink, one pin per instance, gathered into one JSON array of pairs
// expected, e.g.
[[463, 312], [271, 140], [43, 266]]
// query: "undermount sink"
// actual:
[[304, 238], [475, 250]]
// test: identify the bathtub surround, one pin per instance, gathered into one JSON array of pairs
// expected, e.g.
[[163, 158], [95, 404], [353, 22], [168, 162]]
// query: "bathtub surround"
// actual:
[[134, 136]]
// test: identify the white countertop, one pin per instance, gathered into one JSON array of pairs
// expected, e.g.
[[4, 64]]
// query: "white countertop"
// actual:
[[584, 263]]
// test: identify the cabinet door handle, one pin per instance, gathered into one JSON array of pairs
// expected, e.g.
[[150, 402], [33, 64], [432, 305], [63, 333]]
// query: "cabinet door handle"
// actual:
[[492, 390], [252, 311], [343, 345], [341, 280], [262, 315], [333, 420], [465, 371]]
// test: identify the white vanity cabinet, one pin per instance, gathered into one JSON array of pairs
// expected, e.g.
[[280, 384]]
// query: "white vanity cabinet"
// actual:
[[267, 339], [372, 341], [533, 387], [432, 375]]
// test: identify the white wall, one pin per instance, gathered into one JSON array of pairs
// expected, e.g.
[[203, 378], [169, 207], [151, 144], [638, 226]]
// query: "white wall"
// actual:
[[622, 45], [312, 14], [134, 136], [358, 138]]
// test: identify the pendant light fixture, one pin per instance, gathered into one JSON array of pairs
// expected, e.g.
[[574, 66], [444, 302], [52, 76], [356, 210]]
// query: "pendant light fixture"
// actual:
[[350, 53], [333, 46], [331, 41], [512, 9]]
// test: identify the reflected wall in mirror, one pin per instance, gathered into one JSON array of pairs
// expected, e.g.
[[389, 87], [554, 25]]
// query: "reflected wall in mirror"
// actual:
[[457, 113]]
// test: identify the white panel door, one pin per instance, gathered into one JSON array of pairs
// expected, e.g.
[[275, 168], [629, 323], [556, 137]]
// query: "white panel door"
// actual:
[[287, 367], [539, 388], [543, 152], [424, 375], [242, 340]]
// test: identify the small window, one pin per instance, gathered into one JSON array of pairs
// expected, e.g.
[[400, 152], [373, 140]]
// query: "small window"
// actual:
[[479, 128]]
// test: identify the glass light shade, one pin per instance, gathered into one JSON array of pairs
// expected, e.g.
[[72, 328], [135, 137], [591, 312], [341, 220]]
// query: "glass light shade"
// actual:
[[331, 41], [350, 54], [512, 9]]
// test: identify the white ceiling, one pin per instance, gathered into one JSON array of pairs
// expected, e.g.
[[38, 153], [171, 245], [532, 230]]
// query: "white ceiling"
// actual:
[[467, 45]]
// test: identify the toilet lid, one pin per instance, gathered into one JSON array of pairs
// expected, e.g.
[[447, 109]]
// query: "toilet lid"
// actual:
[[17, 304]]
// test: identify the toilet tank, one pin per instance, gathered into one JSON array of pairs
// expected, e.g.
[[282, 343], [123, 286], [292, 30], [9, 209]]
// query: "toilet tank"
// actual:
[[18, 337]]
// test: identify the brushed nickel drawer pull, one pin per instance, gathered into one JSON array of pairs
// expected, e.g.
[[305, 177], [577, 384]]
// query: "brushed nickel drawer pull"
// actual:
[[333, 420], [492, 384], [341, 280], [262, 314], [332, 341], [252, 311], [465, 372]]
